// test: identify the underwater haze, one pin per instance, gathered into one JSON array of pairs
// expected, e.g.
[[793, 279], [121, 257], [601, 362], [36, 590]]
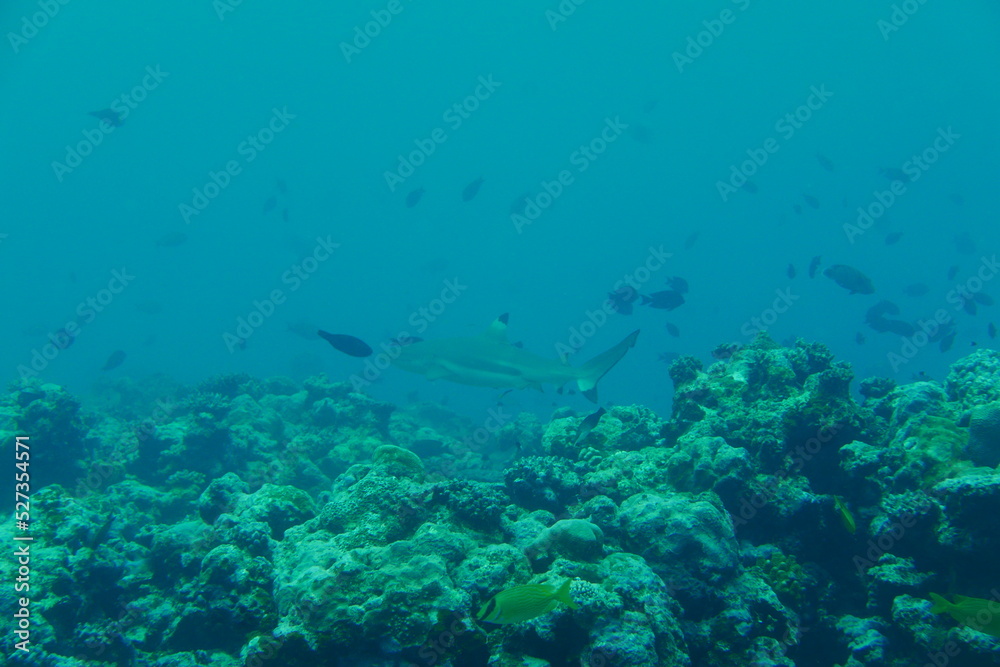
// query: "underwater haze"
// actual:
[[532, 333]]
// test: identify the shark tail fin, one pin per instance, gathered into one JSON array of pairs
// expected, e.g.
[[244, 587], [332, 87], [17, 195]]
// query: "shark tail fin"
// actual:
[[596, 368], [940, 605], [563, 595]]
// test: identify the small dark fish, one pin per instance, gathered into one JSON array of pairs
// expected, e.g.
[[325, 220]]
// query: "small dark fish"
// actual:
[[964, 244], [725, 351], [991, 330], [588, 424], [893, 238], [812, 201], [110, 116], [640, 133], [650, 105], [472, 189], [969, 306], [825, 162], [518, 206], [691, 240], [519, 345], [271, 202], [750, 187], [667, 357], [413, 198], [172, 240], [673, 330], [62, 338], [667, 299], [983, 299], [427, 447], [284, 215], [947, 342], [114, 361], [349, 345], [952, 271], [282, 186], [899, 327], [678, 284], [894, 174], [881, 309], [101, 533], [859, 338], [790, 271], [813, 265], [797, 209], [850, 279], [622, 299], [956, 199], [916, 289]]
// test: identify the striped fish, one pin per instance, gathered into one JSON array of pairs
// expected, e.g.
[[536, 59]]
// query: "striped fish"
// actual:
[[523, 603]]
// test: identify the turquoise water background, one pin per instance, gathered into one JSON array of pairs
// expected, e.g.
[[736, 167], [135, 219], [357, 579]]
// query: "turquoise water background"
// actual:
[[560, 79]]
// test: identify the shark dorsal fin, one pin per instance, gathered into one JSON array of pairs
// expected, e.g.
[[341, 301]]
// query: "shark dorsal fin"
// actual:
[[498, 330]]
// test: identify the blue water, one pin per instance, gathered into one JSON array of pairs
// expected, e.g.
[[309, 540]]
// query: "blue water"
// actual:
[[226, 69]]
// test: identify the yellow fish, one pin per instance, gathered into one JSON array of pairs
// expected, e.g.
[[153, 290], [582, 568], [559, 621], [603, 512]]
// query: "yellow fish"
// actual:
[[523, 603], [845, 514], [978, 614]]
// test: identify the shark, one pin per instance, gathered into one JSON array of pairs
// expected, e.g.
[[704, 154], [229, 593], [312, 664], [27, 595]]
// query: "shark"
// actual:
[[490, 360]]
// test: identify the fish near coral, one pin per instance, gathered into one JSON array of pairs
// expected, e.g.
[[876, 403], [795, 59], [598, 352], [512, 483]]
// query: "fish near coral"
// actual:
[[978, 614], [523, 603], [414, 197], [114, 361], [347, 344], [845, 515], [472, 189]]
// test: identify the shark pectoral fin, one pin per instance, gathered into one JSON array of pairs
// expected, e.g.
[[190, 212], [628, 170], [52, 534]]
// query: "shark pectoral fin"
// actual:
[[592, 371]]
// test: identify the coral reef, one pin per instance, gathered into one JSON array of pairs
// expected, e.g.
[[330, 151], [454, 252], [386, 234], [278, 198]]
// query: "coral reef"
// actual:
[[250, 521]]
